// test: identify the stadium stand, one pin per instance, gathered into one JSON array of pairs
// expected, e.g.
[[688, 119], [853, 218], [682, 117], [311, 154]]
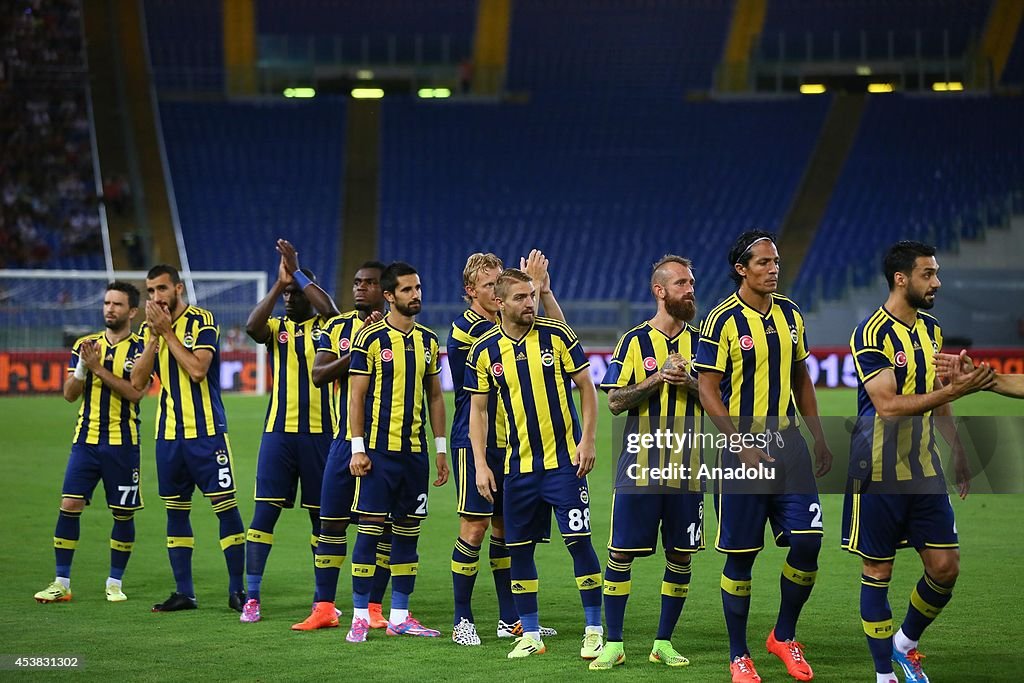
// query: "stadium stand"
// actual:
[[638, 179], [337, 30], [186, 44], [616, 47], [49, 215], [1013, 73], [934, 21], [249, 173], [934, 169]]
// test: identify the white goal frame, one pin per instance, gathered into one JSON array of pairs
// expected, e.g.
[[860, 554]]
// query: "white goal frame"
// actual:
[[258, 277]]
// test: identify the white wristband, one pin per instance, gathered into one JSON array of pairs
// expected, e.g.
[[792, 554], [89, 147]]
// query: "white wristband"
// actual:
[[358, 446], [440, 444], [81, 371]]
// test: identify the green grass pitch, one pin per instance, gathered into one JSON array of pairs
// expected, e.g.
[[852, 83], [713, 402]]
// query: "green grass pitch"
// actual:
[[976, 639]]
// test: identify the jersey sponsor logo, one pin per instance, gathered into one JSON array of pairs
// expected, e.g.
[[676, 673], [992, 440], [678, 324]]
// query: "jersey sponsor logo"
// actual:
[[746, 342], [547, 359], [770, 329], [497, 370], [344, 344], [521, 356], [650, 364], [900, 359], [222, 458], [584, 495], [189, 341], [283, 337], [387, 356]]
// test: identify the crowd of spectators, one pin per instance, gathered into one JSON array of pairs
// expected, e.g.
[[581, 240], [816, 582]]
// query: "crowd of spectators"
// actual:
[[48, 202]]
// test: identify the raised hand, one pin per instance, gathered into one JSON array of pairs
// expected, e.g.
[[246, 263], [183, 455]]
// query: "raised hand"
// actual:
[[289, 256]]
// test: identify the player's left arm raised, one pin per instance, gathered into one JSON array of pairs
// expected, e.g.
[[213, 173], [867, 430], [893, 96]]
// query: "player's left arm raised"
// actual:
[[321, 300], [586, 449], [807, 403], [946, 427]]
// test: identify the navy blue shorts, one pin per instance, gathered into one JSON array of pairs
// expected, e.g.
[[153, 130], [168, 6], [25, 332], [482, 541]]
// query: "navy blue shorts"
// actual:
[[339, 486], [204, 462], [741, 519], [469, 502], [531, 497], [397, 484], [287, 459], [117, 466], [637, 517], [876, 525]]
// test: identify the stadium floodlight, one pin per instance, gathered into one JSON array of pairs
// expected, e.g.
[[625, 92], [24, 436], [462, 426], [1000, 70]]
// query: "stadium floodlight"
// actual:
[[880, 87], [863, 70], [367, 93], [950, 86], [812, 88], [300, 92], [364, 75], [431, 93]]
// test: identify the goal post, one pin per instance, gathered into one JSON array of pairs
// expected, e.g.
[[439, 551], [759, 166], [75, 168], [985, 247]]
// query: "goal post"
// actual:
[[43, 312]]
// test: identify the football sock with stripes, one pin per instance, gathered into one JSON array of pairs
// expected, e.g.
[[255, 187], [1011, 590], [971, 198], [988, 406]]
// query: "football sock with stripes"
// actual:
[[736, 600], [259, 541], [588, 578], [232, 541], [796, 583], [876, 617], [675, 586], [465, 565], [65, 540], [501, 563], [122, 541], [180, 543], [617, 584]]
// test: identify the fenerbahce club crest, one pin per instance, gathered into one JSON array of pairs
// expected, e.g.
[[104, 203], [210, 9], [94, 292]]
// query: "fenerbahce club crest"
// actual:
[[222, 458], [189, 341], [547, 358]]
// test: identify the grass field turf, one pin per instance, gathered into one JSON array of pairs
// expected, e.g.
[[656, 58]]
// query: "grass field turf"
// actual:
[[976, 639]]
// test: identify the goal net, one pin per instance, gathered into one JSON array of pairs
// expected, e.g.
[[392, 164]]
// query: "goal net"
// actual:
[[43, 312]]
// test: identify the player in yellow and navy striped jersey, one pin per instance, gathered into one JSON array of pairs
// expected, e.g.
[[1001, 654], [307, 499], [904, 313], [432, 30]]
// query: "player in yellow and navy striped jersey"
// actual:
[[476, 513], [897, 495], [393, 383], [530, 363], [649, 379], [752, 380], [298, 429], [334, 355], [192, 450], [106, 441]]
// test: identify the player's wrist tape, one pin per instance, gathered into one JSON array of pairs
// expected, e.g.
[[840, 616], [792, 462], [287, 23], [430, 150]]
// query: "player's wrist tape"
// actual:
[[358, 446], [301, 280], [81, 371], [440, 444]]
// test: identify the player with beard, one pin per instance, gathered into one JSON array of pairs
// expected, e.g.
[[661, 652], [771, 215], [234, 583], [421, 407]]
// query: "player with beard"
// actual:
[[297, 435], [528, 362], [106, 441], [649, 379], [753, 378], [476, 514], [331, 369], [393, 383], [897, 495], [192, 447]]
